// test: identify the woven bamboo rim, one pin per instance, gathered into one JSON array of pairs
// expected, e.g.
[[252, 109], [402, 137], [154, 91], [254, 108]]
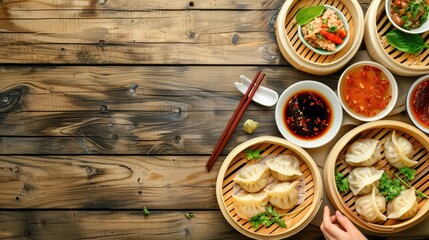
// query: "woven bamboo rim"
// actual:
[[301, 57], [298, 217], [379, 130], [377, 25]]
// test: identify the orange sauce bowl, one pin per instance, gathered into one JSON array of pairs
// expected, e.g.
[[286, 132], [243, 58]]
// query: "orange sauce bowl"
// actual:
[[367, 91]]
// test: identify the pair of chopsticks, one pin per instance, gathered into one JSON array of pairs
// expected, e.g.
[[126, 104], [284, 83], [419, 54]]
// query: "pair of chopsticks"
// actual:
[[235, 119]]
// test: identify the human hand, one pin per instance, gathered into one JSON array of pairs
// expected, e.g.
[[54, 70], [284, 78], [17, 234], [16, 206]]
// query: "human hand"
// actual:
[[339, 227]]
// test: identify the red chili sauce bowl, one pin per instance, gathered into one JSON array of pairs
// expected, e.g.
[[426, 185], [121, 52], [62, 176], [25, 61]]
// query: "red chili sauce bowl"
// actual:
[[417, 103], [367, 91]]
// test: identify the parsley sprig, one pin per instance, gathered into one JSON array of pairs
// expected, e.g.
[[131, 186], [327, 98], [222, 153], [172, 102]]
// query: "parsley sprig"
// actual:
[[146, 211], [409, 175], [341, 182], [390, 188], [267, 218], [253, 154]]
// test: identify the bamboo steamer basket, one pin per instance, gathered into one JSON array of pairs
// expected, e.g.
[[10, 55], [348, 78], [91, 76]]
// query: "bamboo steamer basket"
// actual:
[[377, 25], [296, 218], [379, 130], [301, 57]]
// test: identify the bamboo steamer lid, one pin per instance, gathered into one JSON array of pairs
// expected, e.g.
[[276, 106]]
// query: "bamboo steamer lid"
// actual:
[[301, 57], [377, 25], [379, 130], [296, 218]]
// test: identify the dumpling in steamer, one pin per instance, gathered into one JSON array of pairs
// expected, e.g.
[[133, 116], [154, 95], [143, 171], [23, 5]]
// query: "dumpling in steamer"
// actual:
[[284, 167], [247, 205], [363, 179], [404, 206], [252, 178], [399, 151], [364, 152], [283, 195], [371, 207]]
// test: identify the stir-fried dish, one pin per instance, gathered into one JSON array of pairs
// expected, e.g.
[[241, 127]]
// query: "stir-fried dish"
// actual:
[[325, 31], [409, 14]]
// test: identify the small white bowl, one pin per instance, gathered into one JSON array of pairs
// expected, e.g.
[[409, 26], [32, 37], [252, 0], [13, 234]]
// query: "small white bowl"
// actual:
[[390, 78], [328, 95], [423, 28], [338, 47], [408, 104]]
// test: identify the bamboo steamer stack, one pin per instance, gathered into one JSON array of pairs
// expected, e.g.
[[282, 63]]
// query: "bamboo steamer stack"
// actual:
[[379, 130], [377, 25], [296, 218], [301, 57]]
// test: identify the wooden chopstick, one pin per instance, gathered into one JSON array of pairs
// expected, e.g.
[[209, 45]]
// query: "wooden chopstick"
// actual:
[[235, 119]]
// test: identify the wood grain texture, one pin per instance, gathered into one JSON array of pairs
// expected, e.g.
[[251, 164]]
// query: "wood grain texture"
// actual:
[[136, 5], [107, 182], [122, 32], [122, 225], [125, 110]]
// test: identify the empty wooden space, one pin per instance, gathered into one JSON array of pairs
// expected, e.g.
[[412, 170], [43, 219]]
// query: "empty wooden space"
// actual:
[[110, 106]]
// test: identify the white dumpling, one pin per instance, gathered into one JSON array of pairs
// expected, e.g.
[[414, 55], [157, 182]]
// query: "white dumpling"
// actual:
[[404, 206], [399, 151], [371, 207], [252, 178], [363, 179], [364, 152], [283, 195], [284, 167], [247, 205]]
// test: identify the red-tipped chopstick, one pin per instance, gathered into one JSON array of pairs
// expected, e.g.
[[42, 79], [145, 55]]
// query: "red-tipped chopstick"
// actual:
[[235, 119]]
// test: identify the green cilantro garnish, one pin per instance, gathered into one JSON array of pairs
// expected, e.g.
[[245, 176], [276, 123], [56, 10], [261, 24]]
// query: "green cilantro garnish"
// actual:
[[419, 193], [390, 189], [333, 28], [145, 211], [189, 215], [267, 218], [342, 182], [253, 154], [408, 173]]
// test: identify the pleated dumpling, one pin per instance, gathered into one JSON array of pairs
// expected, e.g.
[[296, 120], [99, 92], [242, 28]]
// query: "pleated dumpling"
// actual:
[[363, 179], [252, 178], [404, 206], [364, 152], [371, 207], [283, 195], [284, 167], [247, 205], [399, 151]]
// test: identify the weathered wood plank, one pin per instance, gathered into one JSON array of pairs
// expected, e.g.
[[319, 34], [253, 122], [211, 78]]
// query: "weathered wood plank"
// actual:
[[147, 5], [229, 37], [123, 225], [136, 5], [124, 88], [107, 182], [125, 133], [114, 225]]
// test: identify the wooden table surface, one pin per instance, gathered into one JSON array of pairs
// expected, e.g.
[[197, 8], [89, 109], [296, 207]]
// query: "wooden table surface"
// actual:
[[110, 106]]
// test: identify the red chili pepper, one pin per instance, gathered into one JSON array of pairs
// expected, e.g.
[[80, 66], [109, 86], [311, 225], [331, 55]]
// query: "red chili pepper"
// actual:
[[332, 37], [342, 33]]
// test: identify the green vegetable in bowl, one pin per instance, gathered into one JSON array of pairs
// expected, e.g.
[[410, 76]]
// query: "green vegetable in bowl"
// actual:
[[409, 43], [409, 14]]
